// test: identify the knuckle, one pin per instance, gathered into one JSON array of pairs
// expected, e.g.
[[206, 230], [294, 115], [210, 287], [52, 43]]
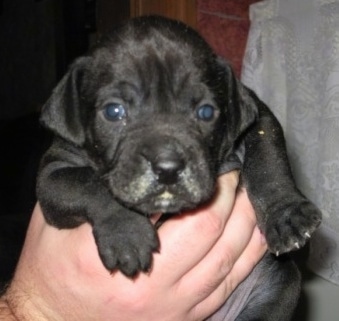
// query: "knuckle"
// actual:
[[225, 263]]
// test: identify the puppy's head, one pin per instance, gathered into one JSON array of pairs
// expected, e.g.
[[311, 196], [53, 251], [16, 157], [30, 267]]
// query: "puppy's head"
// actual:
[[157, 112]]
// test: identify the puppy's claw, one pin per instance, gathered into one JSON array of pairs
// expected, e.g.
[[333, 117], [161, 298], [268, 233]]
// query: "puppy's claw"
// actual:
[[277, 253], [296, 245], [307, 235]]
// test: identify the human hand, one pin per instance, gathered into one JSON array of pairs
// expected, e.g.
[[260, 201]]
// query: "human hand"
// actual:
[[203, 257]]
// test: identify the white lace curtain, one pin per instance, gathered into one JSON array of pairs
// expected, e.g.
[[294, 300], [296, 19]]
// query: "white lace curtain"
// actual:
[[292, 63]]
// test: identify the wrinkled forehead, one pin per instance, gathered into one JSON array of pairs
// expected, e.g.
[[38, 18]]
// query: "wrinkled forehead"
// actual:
[[150, 64], [153, 53]]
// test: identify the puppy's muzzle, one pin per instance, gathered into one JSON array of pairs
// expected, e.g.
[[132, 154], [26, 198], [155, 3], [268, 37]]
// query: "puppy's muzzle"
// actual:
[[162, 174]]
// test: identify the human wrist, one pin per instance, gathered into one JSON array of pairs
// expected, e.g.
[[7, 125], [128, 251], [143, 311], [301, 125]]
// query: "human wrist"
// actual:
[[6, 312], [20, 306]]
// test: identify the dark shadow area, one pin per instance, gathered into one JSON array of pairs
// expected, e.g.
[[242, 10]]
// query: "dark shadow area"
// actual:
[[39, 39], [22, 142]]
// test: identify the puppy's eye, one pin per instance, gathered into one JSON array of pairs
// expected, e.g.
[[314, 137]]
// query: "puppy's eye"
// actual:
[[114, 112], [205, 112]]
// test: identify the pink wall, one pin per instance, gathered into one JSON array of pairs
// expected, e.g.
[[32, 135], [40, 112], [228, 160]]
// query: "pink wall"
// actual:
[[225, 24]]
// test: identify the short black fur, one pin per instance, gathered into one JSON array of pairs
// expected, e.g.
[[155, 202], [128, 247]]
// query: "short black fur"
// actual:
[[144, 124]]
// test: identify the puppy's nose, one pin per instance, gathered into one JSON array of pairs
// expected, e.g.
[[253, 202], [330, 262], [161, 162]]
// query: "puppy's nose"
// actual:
[[167, 167]]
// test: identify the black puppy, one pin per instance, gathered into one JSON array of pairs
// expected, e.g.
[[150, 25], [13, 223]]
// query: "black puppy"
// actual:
[[144, 124]]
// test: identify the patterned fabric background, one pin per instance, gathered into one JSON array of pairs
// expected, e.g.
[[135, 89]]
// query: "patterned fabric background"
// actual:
[[292, 62]]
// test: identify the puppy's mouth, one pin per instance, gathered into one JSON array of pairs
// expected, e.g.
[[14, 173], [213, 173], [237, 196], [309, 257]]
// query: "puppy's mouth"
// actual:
[[168, 202], [164, 201]]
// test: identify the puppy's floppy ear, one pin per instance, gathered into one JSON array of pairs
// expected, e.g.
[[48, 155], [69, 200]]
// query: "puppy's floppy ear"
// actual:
[[63, 113], [242, 105]]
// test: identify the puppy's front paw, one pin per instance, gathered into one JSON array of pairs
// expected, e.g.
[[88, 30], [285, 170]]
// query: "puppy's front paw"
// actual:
[[126, 244], [290, 228]]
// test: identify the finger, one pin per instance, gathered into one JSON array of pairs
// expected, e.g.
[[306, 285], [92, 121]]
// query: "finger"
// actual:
[[241, 269], [218, 263], [248, 259], [186, 239]]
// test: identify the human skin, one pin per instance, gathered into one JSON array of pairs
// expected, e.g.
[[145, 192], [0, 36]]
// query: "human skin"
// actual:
[[204, 255]]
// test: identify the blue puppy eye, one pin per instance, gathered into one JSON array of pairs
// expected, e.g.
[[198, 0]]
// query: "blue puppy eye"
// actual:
[[114, 111], [205, 112]]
